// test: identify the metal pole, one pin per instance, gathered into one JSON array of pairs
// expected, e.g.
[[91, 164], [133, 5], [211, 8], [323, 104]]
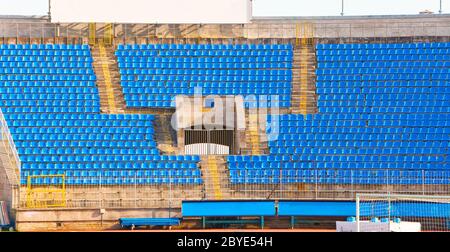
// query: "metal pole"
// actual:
[[357, 213], [49, 11], [389, 212], [440, 6], [342, 8]]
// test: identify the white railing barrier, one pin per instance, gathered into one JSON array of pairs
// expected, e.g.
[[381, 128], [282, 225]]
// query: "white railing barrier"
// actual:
[[11, 147]]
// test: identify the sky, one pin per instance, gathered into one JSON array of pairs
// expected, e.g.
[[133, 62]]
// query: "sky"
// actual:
[[279, 7]]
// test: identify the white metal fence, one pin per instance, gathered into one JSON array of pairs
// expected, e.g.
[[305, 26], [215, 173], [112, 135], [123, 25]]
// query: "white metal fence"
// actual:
[[10, 165], [138, 191]]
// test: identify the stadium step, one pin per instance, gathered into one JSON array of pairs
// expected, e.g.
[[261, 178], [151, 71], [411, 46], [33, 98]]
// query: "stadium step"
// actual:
[[165, 135], [304, 98], [215, 177], [108, 82], [256, 139]]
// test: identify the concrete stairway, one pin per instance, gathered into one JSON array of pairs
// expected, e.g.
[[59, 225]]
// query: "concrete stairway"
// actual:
[[112, 99], [255, 135], [108, 80], [165, 135], [304, 97], [215, 177]]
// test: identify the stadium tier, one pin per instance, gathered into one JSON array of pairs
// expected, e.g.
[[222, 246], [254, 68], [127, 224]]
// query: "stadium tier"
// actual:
[[153, 74], [51, 103], [384, 113]]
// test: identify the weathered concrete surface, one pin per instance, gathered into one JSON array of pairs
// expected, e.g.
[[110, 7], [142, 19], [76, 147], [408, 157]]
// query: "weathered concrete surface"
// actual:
[[84, 219], [260, 27]]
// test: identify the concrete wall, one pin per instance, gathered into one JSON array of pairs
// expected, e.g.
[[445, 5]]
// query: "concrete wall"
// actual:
[[262, 28], [84, 219]]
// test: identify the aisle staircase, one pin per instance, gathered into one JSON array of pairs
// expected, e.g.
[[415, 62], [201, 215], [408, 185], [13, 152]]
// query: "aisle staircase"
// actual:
[[304, 98], [216, 178], [108, 79]]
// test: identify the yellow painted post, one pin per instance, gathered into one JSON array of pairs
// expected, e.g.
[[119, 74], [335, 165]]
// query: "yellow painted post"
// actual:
[[92, 34], [108, 34]]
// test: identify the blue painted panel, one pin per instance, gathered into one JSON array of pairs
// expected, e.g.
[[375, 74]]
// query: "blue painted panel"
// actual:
[[227, 208], [345, 209], [316, 208]]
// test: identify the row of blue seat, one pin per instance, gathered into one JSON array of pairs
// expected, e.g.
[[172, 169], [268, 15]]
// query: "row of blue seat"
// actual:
[[33, 71], [344, 164], [383, 70], [81, 123], [40, 65], [49, 96], [30, 52], [386, 104], [43, 84], [110, 157], [79, 130], [46, 110], [70, 47], [121, 47], [228, 72], [114, 173], [204, 53], [91, 148], [106, 165], [375, 110], [339, 181], [363, 46], [418, 51], [84, 117], [47, 77], [74, 59], [364, 144], [87, 144], [384, 58], [349, 173], [333, 158], [49, 90], [186, 84], [52, 103], [383, 64], [349, 150], [383, 77], [156, 181], [379, 130]]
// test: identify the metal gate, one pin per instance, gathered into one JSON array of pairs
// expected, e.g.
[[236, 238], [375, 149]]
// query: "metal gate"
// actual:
[[209, 142]]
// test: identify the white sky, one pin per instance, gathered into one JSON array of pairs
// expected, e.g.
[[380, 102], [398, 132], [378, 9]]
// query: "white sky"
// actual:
[[279, 7]]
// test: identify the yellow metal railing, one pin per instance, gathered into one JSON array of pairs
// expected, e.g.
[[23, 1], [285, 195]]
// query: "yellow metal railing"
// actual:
[[108, 34], [92, 34], [46, 195]]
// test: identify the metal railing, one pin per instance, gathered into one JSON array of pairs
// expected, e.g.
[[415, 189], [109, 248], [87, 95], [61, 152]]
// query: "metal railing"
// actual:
[[10, 170], [9, 144], [106, 192], [321, 184]]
